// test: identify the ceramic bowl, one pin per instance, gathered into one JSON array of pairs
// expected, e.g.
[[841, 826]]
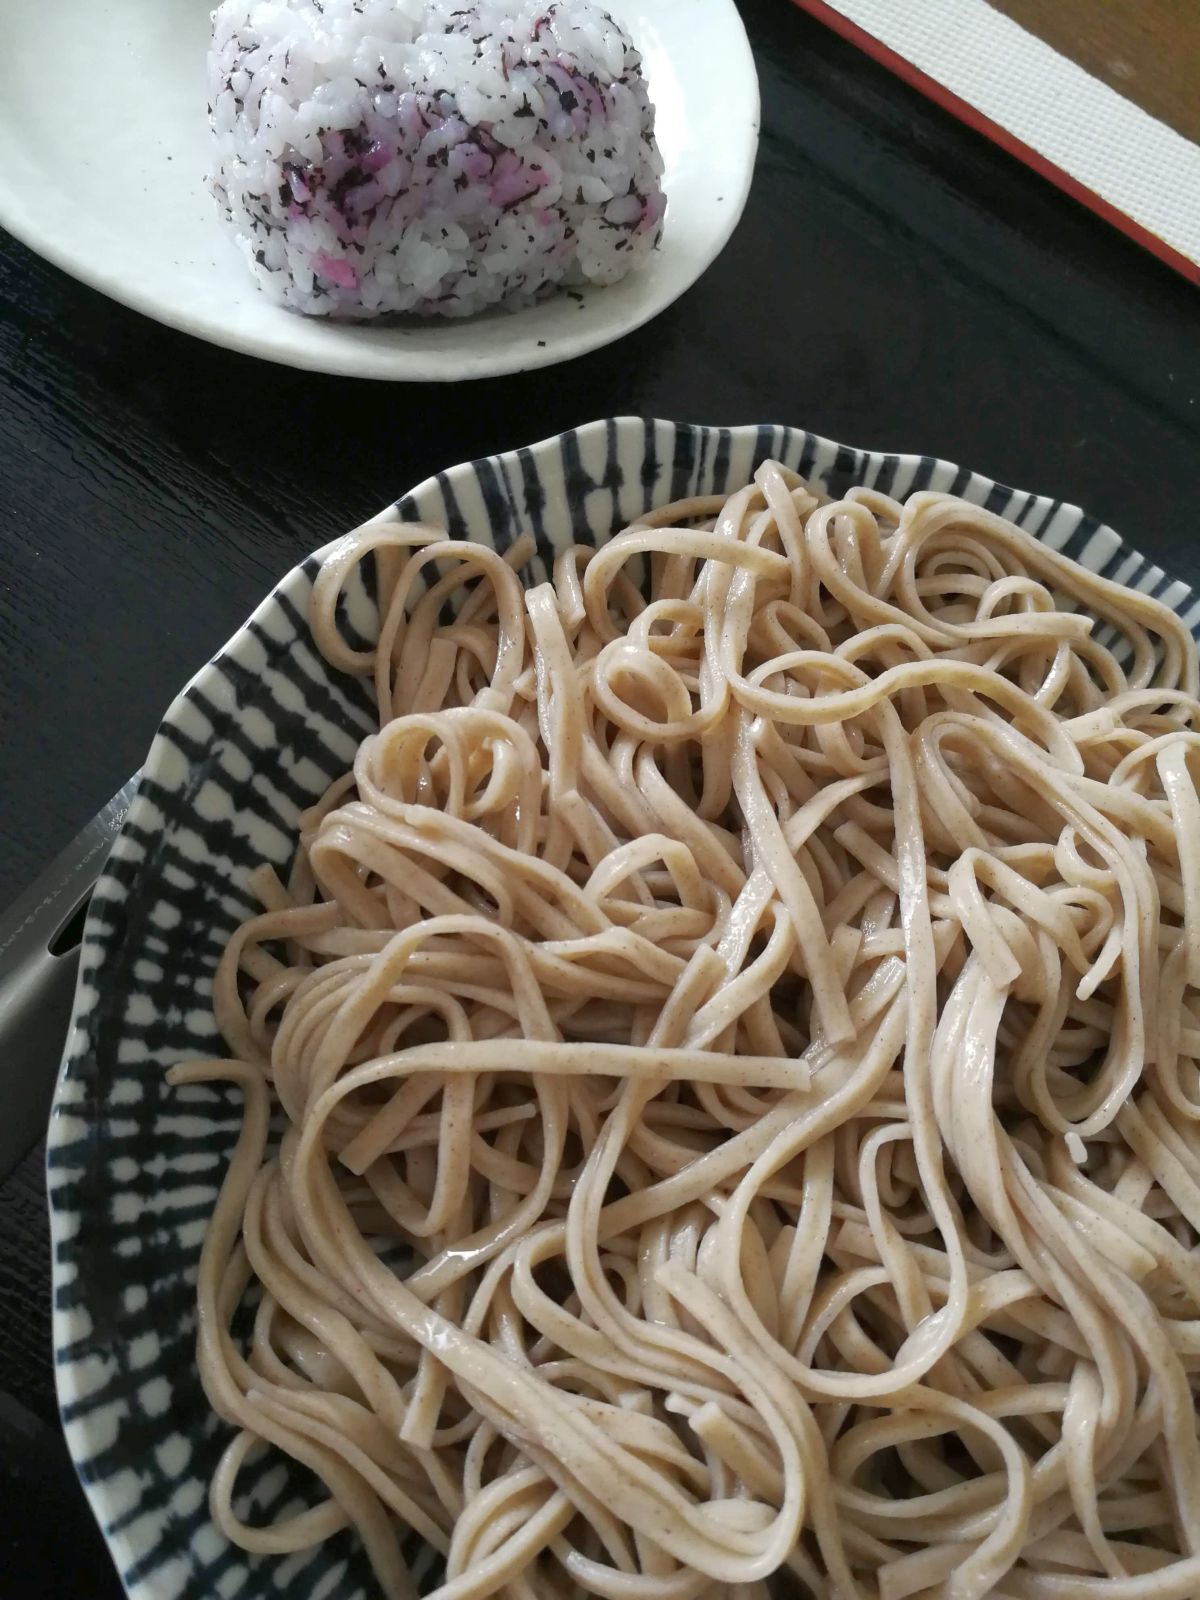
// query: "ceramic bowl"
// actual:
[[254, 738]]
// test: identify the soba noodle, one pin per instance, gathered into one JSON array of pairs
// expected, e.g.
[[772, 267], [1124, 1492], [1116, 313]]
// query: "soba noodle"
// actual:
[[737, 1033]]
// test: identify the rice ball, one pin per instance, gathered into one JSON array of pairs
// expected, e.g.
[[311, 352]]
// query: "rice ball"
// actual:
[[430, 156]]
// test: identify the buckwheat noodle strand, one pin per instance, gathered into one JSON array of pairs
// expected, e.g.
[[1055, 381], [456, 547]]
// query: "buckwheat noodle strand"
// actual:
[[737, 1035]]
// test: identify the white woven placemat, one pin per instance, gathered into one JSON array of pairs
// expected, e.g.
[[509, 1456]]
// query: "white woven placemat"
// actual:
[[1111, 147]]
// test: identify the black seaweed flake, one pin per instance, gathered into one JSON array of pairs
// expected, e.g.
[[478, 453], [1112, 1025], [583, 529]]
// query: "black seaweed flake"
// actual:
[[352, 178]]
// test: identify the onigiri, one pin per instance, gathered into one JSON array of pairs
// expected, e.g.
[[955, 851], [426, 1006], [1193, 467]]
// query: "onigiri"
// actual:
[[433, 157]]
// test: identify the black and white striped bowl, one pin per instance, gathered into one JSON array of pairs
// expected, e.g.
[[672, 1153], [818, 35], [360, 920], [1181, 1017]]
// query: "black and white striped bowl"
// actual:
[[254, 738]]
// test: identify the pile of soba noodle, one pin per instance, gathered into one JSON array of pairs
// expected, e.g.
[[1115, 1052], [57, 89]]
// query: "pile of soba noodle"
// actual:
[[738, 1035]]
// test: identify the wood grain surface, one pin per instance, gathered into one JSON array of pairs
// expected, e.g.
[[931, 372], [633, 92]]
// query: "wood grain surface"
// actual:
[[1147, 50], [897, 282]]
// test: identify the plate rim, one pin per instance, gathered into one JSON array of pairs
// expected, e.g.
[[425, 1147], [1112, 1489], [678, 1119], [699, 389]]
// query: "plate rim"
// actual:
[[71, 1382], [522, 354]]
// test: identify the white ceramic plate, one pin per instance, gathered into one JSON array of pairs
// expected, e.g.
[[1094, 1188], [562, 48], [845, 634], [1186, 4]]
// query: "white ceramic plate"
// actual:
[[104, 148]]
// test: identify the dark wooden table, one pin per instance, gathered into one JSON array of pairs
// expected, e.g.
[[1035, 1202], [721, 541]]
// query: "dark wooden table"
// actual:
[[897, 282]]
